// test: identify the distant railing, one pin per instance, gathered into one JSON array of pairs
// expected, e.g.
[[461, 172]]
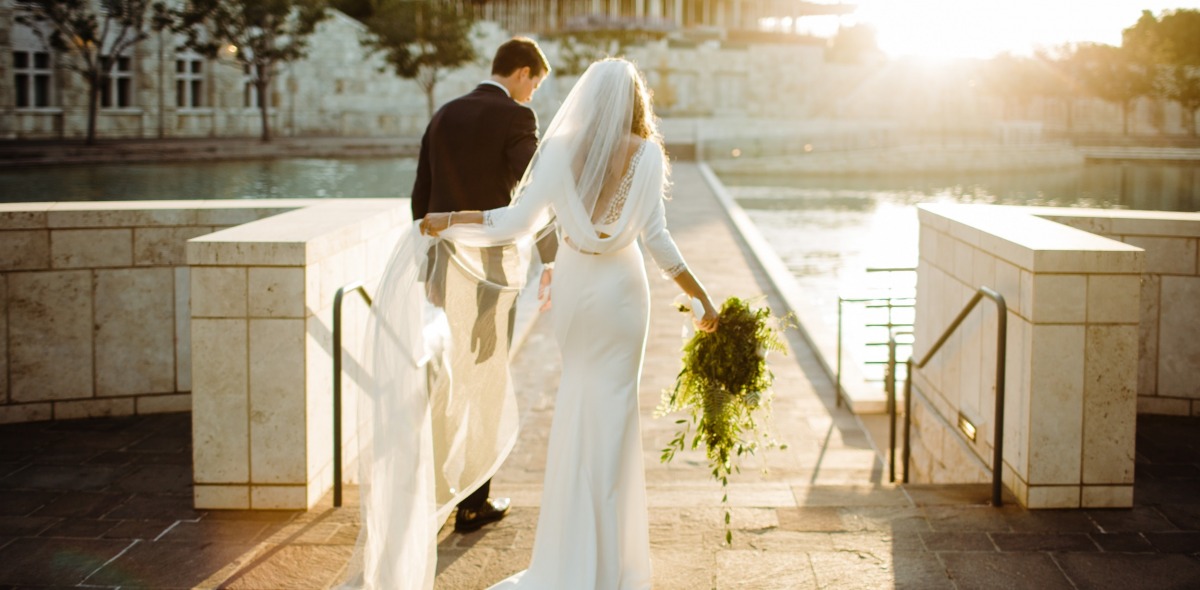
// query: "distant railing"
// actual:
[[889, 302], [337, 383], [1001, 344]]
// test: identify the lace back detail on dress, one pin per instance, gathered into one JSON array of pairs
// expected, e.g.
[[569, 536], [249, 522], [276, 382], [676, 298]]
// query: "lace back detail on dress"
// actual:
[[618, 201]]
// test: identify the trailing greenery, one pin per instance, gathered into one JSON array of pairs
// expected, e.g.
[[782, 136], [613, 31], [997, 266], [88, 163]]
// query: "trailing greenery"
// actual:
[[724, 382]]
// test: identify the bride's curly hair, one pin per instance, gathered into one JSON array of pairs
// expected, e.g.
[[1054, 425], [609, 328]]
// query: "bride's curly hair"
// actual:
[[644, 123]]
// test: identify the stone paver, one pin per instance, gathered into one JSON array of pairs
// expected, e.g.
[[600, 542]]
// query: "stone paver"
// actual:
[[105, 503]]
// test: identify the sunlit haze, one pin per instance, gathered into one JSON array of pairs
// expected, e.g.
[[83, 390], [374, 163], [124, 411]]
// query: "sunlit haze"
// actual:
[[944, 29]]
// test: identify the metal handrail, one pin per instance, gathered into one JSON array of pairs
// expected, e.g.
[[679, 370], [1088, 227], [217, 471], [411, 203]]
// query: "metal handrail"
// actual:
[[889, 381], [890, 388], [1001, 344], [337, 382]]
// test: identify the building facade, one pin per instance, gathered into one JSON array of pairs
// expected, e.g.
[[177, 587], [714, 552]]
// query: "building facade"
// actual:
[[720, 60], [160, 88]]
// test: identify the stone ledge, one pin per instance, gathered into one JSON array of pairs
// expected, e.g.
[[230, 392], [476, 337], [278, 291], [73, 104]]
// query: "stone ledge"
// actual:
[[299, 237]]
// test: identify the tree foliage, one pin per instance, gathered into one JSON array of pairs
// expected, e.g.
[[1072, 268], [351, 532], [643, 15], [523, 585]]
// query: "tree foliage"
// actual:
[[259, 35], [422, 39], [1170, 43], [853, 45], [1113, 75], [1016, 80], [88, 40], [578, 49]]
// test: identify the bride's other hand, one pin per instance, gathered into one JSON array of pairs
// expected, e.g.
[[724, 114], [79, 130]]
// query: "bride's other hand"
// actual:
[[709, 321], [544, 288], [434, 223]]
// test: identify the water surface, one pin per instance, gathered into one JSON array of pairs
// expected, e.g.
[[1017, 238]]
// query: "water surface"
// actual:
[[829, 230], [250, 179]]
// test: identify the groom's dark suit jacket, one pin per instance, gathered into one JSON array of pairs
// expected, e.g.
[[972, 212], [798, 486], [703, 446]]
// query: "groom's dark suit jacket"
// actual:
[[474, 153]]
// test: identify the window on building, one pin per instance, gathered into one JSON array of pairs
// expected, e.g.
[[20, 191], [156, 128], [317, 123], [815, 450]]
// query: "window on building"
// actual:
[[33, 77], [189, 79], [116, 88]]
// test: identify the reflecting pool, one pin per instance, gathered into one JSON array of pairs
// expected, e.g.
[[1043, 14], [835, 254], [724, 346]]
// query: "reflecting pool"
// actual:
[[829, 230], [252, 179]]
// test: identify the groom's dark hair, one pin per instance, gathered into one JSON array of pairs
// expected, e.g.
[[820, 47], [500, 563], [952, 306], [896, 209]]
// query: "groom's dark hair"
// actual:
[[517, 53]]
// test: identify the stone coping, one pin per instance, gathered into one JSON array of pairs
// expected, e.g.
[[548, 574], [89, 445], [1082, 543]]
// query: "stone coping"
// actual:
[[298, 237], [89, 214], [1125, 221], [1029, 241]]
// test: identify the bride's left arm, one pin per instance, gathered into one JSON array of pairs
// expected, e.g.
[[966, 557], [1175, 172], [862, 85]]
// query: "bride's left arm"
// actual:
[[666, 253], [528, 213]]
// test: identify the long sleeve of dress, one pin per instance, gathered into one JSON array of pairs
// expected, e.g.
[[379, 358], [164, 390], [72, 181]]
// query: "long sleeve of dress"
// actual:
[[655, 236], [663, 250], [523, 217], [526, 214]]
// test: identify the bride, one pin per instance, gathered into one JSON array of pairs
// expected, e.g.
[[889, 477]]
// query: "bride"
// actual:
[[598, 181]]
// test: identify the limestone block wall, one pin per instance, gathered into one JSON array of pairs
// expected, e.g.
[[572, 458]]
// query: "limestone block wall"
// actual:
[[1168, 346], [94, 304], [262, 350], [1073, 312]]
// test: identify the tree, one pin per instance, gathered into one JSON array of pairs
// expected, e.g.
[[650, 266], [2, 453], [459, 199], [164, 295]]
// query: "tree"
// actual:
[[259, 35], [422, 39], [1016, 80], [853, 45], [356, 9], [1114, 75], [580, 47], [1170, 43], [1060, 78], [91, 36]]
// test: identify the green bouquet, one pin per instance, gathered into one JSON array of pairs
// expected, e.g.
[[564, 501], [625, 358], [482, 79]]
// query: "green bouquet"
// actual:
[[724, 383]]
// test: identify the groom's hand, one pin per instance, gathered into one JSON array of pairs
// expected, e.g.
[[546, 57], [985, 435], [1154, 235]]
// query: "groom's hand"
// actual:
[[544, 288]]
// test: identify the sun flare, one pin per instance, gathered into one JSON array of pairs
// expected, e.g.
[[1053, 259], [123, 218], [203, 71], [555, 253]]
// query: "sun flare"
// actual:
[[950, 29]]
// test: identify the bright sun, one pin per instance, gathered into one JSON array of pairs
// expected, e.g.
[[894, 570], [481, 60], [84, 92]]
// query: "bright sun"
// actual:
[[947, 29]]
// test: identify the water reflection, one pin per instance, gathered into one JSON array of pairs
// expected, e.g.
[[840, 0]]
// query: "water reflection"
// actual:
[[255, 179], [829, 230]]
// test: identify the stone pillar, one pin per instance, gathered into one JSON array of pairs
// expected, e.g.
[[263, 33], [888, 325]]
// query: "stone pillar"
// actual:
[[1072, 356], [262, 349]]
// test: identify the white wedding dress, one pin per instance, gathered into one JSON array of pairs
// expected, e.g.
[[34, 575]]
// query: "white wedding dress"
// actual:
[[437, 416], [593, 529]]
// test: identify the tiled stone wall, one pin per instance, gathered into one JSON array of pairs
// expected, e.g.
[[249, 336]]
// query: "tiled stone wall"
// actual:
[[262, 346], [94, 304], [1168, 345], [1071, 377]]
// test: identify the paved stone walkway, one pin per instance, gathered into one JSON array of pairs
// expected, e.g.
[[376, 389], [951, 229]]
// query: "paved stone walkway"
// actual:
[[107, 502]]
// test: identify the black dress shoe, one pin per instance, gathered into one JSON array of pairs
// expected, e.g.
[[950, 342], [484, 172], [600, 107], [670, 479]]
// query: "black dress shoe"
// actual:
[[493, 509]]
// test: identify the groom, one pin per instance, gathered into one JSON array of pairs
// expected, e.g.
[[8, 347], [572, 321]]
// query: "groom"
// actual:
[[473, 154]]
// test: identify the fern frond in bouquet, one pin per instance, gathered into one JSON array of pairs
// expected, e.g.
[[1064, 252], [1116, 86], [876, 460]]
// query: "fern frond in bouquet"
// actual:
[[725, 385]]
